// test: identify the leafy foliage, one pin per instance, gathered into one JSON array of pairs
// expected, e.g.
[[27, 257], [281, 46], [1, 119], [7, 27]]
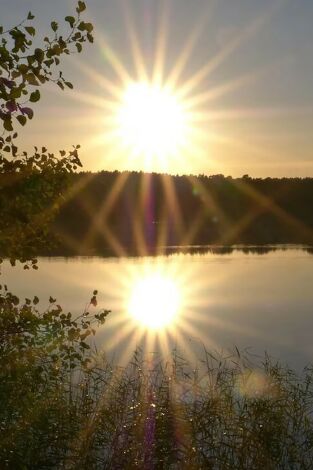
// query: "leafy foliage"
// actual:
[[38, 353], [32, 189], [29, 195], [50, 339], [25, 68]]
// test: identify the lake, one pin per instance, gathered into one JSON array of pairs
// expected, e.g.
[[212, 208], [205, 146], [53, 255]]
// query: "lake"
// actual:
[[263, 302]]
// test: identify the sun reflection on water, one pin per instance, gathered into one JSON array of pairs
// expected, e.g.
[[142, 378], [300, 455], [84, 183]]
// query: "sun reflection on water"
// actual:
[[155, 301], [158, 304]]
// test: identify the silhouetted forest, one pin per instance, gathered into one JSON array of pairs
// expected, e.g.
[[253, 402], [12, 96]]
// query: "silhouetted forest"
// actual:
[[139, 213]]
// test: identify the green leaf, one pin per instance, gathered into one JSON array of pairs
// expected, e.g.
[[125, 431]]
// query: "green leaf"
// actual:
[[70, 20], [7, 148], [69, 85], [79, 47], [30, 30], [41, 78], [35, 96], [29, 112], [81, 7], [30, 59], [15, 74], [30, 16], [54, 26], [30, 77], [88, 27], [7, 124], [39, 54], [16, 93], [21, 119], [81, 26], [48, 62], [23, 68]]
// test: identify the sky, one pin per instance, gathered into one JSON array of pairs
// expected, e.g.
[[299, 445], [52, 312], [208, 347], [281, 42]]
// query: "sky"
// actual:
[[247, 65]]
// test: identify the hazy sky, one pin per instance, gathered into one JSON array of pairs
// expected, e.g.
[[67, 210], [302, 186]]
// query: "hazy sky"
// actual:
[[259, 121]]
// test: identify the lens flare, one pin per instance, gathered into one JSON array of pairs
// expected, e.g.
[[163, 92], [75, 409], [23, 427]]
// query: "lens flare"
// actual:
[[154, 302]]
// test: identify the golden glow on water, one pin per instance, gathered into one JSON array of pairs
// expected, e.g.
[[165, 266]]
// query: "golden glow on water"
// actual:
[[155, 301], [220, 300], [151, 121]]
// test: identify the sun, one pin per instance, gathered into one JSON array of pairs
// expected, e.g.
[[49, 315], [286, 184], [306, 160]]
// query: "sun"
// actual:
[[151, 122], [159, 114], [154, 301]]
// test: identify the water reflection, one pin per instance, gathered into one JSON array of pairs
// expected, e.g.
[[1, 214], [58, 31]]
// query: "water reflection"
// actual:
[[154, 304], [155, 301], [213, 299]]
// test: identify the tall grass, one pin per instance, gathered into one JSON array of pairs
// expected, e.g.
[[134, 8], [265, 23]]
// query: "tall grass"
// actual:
[[226, 413]]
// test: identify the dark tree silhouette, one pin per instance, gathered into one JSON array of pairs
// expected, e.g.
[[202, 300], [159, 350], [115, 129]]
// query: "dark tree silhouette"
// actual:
[[208, 210]]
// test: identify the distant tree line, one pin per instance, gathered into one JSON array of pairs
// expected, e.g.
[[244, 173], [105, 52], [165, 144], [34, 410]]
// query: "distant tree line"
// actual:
[[137, 213], [113, 213]]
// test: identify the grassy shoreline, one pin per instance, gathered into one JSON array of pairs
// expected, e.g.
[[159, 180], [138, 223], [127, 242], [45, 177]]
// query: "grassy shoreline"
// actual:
[[155, 414]]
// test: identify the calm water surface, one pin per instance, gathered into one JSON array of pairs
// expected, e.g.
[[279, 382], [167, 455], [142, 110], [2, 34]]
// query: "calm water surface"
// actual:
[[261, 302]]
